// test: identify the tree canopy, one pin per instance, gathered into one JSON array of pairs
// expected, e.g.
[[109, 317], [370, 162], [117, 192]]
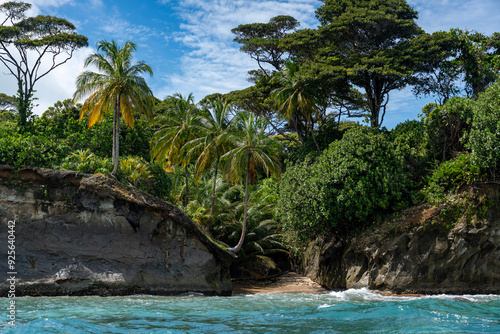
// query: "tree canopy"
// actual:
[[262, 41], [27, 43], [368, 42]]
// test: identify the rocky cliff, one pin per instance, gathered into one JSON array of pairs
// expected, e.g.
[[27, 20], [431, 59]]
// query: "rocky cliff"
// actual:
[[450, 248], [81, 234]]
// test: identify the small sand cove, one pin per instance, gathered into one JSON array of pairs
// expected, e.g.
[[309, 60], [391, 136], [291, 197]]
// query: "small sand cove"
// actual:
[[290, 282]]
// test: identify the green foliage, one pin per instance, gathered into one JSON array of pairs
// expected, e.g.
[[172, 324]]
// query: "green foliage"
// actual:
[[41, 40], [447, 126], [252, 149], [484, 137], [30, 150], [162, 182], [450, 176], [478, 58], [133, 170], [329, 132], [7, 103], [369, 44], [357, 179], [411, 142], [262, 41], [264, 251], [145, 176], [87, 162], [439, 75], [117, 87]]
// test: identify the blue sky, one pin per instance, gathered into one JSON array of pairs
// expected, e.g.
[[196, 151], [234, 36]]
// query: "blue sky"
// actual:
[[188, 43]]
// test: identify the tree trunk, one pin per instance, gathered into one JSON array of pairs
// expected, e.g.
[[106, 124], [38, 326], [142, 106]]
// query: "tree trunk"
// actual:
[[213, 187], [236, 248], [186, 198], [314, 137], [23, 102], [116, 137]]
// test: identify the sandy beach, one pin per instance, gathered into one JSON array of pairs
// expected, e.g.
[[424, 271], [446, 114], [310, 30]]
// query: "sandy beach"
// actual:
[[290, 282]]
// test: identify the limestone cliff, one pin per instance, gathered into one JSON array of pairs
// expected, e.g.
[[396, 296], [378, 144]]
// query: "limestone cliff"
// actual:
[[451, 248], [87, 234]]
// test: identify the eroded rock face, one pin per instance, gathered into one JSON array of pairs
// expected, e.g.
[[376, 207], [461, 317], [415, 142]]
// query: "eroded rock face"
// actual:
[[427, 259], [79, 234]]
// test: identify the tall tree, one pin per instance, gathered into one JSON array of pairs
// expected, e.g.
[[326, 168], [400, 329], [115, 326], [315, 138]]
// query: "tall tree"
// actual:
[[179, 125], [478, 58], [252, 149], [457, 61], [211, 142], [30, 48], [262, 41], [118, 87], [368, 42]]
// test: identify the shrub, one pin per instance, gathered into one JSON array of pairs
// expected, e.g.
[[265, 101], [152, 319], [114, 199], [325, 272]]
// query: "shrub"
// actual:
[[357, 179], [447, 126], [85, 161], [162, 182], [451, 175], [30, 150], [484, 137]]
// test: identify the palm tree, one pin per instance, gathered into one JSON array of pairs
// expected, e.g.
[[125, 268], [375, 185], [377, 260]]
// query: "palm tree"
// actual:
[[252, 149], [294, 98], [180, 124], [211, 143], [117, 87]]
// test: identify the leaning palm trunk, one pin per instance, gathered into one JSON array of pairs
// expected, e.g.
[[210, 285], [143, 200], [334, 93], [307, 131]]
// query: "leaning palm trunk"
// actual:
[[236, 248], [213, 187], [116, 137]]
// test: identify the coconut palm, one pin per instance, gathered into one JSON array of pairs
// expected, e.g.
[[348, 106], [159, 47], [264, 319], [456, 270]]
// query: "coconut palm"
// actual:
[[118, 87], [252, 149], [180, 125], [295, 99], [212, 143]]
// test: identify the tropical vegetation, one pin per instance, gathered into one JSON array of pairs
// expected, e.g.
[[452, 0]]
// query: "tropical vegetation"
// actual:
[[266, 169]]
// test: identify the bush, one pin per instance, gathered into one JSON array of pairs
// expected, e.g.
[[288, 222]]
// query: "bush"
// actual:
[[30, 150], [356, 180], [447, 126], [484, 137], [451, 175], [326, 134], [87, 162], [162, 182]]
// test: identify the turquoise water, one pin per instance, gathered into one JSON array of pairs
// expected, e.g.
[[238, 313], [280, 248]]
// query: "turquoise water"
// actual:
[[352, 311]]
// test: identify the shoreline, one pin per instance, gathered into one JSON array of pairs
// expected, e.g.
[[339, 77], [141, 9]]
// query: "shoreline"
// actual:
[[290, 282]]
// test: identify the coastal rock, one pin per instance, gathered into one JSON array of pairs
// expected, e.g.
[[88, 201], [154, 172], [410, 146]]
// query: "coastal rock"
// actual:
[[78, 234], [452, 249]]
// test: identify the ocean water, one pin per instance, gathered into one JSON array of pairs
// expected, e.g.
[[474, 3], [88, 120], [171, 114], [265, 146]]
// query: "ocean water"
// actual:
[[352, 311]]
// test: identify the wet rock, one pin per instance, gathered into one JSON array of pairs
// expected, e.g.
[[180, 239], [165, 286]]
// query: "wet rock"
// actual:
[[426, 258]]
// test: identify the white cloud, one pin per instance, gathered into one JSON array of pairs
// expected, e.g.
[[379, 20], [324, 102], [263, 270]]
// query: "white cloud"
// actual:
[[124, 30], [59, 84], [478, 15], [37, 4], [213, 62]]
